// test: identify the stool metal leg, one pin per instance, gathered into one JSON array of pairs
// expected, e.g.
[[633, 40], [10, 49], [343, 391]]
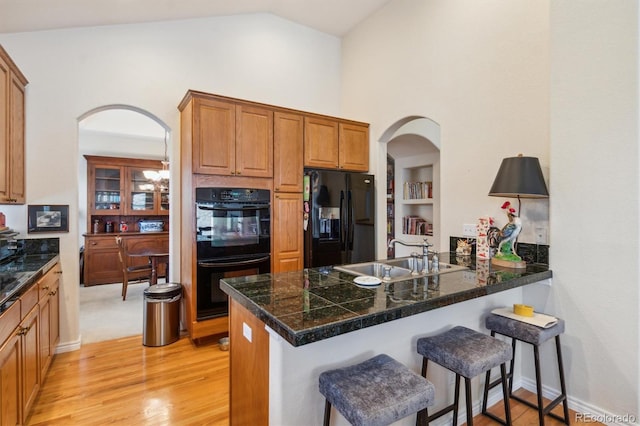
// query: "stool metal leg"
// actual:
[[536, 360], [563, 386], [467, 391], [327, 412], [505, 395]]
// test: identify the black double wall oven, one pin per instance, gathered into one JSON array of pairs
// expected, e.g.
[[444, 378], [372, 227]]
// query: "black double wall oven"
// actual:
[[233, 239]]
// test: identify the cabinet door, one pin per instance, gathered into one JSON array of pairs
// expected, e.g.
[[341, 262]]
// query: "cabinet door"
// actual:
[[49, 321], [105, 189], [16, 141], [30, 365], [254, 141], [288, 140], [101, 262], [214, 135], [320, 143], [287, 232], [4, 131], [354, 147], [10, 353], [141, 194]]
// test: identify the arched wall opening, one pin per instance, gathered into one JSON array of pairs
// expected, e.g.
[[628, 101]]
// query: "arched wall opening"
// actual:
[[412, 148]]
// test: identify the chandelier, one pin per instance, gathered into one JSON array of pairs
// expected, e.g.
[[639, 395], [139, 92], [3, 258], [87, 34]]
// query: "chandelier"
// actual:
[[160, 178]]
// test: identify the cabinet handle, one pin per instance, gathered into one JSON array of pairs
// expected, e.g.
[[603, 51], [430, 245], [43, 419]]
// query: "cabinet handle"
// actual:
[[93, 243], [238, 173], [53, 293], [58, 272], [45, 287], [24, 330]]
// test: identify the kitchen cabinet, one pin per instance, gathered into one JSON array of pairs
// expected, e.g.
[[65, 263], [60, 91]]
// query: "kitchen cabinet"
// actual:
[[49, 304], [29, 330], [336, 144], [287, 152], [287, 206], [101, 261], [229, 138], [10, 355], [29, 334], [12, 131], [287, 232]]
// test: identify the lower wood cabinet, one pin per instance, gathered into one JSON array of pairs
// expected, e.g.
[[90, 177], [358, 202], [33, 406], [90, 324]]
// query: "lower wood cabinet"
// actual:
[[101, 261], [29, 334]]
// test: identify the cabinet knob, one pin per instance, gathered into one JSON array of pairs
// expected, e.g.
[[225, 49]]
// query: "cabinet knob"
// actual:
[[58, 272], [45, 287], [238, 173]]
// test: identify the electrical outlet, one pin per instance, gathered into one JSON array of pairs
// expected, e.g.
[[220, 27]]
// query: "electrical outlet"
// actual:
[[469, 230]]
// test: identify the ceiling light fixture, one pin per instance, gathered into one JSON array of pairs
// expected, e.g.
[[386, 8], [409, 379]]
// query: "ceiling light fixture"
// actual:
[[160, 177]]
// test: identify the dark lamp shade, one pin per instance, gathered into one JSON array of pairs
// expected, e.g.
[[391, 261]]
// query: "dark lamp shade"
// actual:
[[519, 176]]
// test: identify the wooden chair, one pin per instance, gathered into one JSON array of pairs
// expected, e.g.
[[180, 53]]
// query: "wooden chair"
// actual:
[[126, 269]]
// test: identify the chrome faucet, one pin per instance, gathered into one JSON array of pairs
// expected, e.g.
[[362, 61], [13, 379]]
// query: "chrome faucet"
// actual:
[[425, 251]]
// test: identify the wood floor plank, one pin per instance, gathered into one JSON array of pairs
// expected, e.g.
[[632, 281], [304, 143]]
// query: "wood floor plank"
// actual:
[[122, 382]]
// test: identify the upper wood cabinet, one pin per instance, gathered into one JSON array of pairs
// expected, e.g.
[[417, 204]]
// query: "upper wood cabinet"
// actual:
[[288, 131], [12, 129], [228, 138], [117, 186], [334, 144]]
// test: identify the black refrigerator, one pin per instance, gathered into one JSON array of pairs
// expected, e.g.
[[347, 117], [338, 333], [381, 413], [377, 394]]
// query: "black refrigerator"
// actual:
[[340, 225]]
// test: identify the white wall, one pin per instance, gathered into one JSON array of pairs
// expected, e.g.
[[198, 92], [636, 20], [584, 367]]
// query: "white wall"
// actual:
[[555, 80], [478, 69], [150, 66], [594, 198]]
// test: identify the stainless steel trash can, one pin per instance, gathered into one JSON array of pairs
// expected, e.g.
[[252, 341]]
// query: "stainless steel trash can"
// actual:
[[161, 314]]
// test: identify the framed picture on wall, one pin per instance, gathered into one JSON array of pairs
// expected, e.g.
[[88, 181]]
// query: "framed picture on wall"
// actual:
[[45, 218]]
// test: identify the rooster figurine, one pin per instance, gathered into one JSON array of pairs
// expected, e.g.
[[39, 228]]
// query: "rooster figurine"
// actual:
[[506, 238]]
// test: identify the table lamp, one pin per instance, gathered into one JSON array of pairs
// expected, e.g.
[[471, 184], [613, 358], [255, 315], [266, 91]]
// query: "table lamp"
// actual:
[[519, 177]]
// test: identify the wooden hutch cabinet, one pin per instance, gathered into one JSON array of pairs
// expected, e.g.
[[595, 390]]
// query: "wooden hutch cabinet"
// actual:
[[12, 125], [118, 193]]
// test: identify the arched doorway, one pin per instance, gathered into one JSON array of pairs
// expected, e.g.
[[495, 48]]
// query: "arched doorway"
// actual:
[[413, 182], [121, 131]]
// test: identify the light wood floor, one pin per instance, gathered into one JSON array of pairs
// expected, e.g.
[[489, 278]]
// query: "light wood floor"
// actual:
[[122, 382]]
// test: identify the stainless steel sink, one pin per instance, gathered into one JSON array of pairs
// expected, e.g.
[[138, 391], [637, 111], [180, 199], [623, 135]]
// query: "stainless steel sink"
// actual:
[[407, 262], [400, 269], [375, 269]]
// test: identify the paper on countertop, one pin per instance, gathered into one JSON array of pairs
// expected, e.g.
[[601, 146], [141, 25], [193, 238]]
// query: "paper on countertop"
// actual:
[[539, 320]]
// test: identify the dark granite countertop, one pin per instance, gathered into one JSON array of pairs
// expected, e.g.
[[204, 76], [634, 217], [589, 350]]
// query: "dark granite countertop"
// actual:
[[319, 303], [17, 272]]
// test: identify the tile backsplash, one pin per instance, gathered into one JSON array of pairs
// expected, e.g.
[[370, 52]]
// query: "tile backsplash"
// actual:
[[531, 253]]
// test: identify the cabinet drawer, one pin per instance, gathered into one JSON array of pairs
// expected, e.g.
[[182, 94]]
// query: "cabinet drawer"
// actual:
[[102, 243], [28, 300], [9, 320]]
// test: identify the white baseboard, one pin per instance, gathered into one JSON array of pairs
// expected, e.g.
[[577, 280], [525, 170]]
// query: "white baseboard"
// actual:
[[588, 412], [69, 346]]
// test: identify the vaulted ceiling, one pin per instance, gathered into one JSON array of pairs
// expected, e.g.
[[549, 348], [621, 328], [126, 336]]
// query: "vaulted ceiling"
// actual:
[[335, 17]]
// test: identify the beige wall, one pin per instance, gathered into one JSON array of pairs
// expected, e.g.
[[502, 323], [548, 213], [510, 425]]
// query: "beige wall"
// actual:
[[556, 80]]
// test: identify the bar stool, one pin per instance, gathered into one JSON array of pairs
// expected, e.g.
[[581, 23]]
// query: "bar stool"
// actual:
[[529, 333], [468, 354], [376, 392]]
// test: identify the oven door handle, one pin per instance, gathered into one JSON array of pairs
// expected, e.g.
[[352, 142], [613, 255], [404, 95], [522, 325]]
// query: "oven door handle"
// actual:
[[233, 208], [236, 263]]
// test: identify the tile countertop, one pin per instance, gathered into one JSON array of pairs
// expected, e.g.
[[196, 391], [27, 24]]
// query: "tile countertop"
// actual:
[[319, 303]]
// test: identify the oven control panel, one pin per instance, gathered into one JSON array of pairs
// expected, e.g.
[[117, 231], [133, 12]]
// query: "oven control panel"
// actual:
[[225, 195]]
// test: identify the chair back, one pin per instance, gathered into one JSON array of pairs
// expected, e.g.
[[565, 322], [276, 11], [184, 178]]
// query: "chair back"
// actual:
[[122, 254]]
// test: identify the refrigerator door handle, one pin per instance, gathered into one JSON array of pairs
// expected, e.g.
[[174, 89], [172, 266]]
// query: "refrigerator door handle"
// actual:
[[350, 221], [342, 221]]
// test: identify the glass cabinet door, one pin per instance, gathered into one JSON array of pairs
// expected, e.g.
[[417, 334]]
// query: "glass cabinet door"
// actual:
[[142, 193], [107, 195]]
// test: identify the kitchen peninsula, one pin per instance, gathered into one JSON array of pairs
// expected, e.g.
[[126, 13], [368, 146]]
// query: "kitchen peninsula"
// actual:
[[287, 328]]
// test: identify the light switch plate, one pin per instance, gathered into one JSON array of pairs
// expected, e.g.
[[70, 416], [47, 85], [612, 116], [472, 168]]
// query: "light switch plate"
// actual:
[[469, 230], [246, 331]]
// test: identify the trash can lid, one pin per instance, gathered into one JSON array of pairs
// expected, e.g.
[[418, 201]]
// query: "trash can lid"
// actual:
[[163, 290]]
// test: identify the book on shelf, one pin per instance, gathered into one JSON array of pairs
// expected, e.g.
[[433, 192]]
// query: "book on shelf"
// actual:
[[415, 225], [417, 190]]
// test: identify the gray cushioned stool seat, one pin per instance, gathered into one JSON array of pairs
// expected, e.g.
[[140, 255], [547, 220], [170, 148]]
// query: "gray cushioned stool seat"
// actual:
[[523, 331], [378, 391], [465, 351]]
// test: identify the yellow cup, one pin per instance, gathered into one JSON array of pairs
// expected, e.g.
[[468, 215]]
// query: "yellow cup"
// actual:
[[524, 310]]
